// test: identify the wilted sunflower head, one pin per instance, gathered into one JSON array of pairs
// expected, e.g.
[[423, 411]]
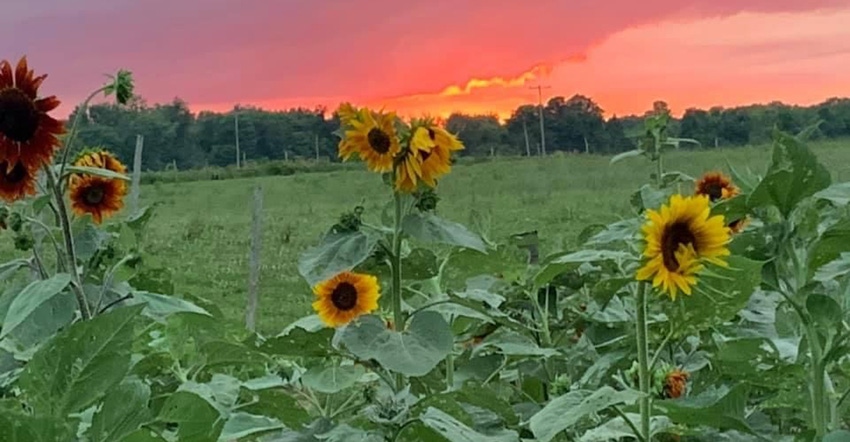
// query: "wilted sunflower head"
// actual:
[[679, 238], [16, 181], [27, 134], [372, 136], [675, 383], [98, 196], [716, 186], [346, 296]]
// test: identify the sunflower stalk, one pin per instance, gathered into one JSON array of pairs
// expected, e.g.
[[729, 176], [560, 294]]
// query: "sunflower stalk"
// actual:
[[71, 254], [398, 314], [643, 363], [73, 132]]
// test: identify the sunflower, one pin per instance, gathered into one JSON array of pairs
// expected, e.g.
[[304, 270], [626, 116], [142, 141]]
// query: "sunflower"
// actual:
[[675, 383], [678, 239], [716, 186], [16, 181], [345, 297], [372, 136], [99, 196], [429, 157], [27, 133]]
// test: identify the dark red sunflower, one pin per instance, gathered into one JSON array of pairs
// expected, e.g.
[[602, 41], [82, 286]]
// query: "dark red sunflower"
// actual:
[[675, 383], [27, 134], [99, 196], [16, 181]]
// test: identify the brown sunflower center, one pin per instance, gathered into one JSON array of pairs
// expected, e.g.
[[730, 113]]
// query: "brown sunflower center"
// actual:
[[675, 235], [714, 191], [18, 115], [344, 296], [17, 174], [379, 140], [424, 154], [94, 195]]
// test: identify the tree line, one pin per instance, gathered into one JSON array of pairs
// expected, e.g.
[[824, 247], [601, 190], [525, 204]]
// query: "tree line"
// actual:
[[175, 137]]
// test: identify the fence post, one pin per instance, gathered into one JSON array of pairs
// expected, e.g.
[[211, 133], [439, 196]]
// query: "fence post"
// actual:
[[135, 190], [254, 272]]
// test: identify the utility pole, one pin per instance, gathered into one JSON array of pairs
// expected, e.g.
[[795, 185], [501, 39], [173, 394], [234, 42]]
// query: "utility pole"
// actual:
[[317, 147], [540, 113], [525, 132], [236, 128]]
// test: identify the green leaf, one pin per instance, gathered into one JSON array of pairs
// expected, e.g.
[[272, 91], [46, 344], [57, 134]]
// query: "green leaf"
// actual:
[[420, 264], [96, 171], [88, 239], [16, 426], [412, 352], [230, 353], [721, 408], [829, 245], [300, 342], [565, 411], [837, 436], [794, 174], [124, 410], [73, 370], [719, 295], [621, 231], [338, 252], [648, 197], [9, 268], [617, 428], [143, 435], [30, 298], [197, 419], [838, 194], [241, 425], [824, 310], [159, 307], [333, 379], [627, 154], [276, 404], [455, 431], [430, 228], [569, 261], [834, 269]]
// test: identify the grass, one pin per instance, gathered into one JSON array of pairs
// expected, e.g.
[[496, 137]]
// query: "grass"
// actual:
[[202, 229]]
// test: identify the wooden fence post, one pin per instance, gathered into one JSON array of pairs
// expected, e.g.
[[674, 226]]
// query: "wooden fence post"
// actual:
[[254, 273], [135, 190]]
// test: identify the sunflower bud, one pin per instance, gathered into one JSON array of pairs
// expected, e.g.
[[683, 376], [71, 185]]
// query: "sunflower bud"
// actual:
[[427, 199], [122, 86], [15, 222], [23, 242]]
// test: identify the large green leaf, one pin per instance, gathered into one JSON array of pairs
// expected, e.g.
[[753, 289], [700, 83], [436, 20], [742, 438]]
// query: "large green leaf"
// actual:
[[834, 269], [30, 298], [565, 411], [337, 252], [454, 430], [412, 352], [569, 261], [16, 426], [196, 418], [794, 174], [332, 379], [721, 293], [825, 311], [96, 171], [158, 307], [428, 227], [627, 154], [300, 342], [72, 371], [721, 408], [834, 241], [9, 268], [837, 436], [143, 435], [275, 403], [838, 194], [241, 425], [618, 428], [124, 410]]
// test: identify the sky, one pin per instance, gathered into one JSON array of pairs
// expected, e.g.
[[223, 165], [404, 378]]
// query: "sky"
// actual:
[[438, 56]]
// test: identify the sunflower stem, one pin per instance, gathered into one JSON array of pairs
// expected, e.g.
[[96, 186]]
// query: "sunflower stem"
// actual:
[[450, 371], [398, 314], [68, 142], [643, 362], [818, 372], [71, 254]]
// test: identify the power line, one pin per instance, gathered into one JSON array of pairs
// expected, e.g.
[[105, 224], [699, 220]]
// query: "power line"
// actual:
[[540, 114]]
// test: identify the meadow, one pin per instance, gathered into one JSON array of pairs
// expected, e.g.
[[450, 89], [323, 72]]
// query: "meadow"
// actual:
[[201, 229]]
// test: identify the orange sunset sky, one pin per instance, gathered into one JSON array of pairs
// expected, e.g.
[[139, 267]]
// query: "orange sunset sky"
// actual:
[[439, 56]]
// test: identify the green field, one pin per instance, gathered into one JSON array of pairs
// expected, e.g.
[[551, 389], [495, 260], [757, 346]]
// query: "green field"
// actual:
[[201, 230]]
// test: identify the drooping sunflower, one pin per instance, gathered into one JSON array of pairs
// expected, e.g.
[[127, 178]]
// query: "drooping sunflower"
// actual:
[[718, 186], [675, 383], [96, 195], [429, 157], [16, 181], [372, 136], [27, 133], [679, 239], [346, 296]]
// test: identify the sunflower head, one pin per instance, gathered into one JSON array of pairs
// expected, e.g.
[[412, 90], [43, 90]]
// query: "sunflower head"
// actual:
[[98, 196], [27, 133], [675, 383], [16, 181], [679, 239], [428, 157], [371, 135], [716, 186], [346, 296]]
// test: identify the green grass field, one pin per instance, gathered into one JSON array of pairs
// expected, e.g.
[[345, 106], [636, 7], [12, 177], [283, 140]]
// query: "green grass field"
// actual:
[[201, 230]]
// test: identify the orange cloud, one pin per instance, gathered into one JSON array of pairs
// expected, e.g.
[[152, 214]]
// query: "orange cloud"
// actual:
[[483, 83]]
